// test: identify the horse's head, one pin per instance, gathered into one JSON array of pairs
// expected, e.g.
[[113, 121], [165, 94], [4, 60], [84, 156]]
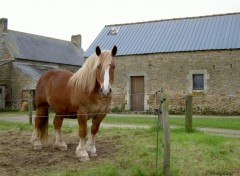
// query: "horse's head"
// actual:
[[105, 70]]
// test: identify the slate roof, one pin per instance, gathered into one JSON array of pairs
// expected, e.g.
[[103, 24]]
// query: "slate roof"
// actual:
[[216, 32], [33, 71], [29, 70], [44, 49], [3, 62]]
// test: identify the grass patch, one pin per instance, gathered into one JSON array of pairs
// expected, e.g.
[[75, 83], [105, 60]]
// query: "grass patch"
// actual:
[[4, 125], [225, 123], [194, 153], [203, 121]]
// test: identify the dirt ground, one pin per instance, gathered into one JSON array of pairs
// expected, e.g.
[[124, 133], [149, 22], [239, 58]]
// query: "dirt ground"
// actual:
[[17, 156]]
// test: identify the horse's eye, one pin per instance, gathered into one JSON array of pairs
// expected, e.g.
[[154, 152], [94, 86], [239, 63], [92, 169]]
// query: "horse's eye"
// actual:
[[112, 65]]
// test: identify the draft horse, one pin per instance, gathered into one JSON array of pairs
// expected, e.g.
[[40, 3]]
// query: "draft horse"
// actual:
[[85, 94]]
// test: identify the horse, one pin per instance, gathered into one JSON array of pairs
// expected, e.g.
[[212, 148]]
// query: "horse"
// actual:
[[85, 95]]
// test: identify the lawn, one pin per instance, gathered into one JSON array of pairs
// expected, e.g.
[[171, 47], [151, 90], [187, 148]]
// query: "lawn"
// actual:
[[129, 152], [227, 122]]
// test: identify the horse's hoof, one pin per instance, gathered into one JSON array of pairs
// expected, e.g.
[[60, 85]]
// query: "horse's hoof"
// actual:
[[37, 145], [84, 158], [92, 154], [62, 147], [91, 150], [82, 155]]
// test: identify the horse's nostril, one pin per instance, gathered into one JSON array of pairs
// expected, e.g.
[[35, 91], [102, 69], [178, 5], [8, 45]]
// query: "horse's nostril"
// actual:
[[110, 90], [100, 89]]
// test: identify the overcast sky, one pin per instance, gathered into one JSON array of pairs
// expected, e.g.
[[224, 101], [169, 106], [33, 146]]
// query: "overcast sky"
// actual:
[[62, 18]]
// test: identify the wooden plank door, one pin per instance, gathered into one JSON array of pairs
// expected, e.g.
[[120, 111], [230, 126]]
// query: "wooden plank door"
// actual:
[[137, 93]]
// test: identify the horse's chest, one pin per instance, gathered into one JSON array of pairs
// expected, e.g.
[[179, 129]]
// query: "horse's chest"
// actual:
[[100, 105]]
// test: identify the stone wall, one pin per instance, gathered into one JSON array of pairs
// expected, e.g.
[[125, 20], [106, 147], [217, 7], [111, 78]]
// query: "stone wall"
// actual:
[[5, 76], [173, 73]]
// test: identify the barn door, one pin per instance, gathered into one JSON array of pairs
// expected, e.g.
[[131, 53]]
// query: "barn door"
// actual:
[[2, 97], [137, 93]]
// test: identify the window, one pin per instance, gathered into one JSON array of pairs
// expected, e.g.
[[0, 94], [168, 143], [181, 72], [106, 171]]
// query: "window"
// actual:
[[198, 81], [114, 30]]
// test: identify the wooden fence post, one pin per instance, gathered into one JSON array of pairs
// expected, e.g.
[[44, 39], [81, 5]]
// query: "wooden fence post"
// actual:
[[30, 108], [166, 135], [188, 113]]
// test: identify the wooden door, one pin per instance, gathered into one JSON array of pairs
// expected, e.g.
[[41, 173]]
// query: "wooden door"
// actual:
[[137, 93]]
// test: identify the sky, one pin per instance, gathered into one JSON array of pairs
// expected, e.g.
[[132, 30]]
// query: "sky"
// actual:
[[63, 18]]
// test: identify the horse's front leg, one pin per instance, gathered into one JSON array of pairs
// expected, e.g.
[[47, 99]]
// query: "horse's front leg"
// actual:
[[90, 146], [81, 148], [59, 143]]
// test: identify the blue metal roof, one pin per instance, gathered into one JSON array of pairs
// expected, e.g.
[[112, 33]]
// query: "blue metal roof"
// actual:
[[215, 32]]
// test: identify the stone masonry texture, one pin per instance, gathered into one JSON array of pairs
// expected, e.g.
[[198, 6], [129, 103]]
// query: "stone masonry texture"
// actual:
[[171, 71]]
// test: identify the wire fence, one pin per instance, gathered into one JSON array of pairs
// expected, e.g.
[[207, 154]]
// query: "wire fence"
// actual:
[[30, 103], [23, 104]]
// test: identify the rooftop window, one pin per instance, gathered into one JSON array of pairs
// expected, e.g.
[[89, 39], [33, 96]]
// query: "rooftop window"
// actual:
[[114, 30]]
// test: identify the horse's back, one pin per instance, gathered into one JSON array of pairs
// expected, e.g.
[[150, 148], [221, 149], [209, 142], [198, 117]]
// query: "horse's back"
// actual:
[[51, 83]]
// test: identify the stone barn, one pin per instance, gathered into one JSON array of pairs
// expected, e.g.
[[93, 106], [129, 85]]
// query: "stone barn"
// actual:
[[196, 55], [25, 57]]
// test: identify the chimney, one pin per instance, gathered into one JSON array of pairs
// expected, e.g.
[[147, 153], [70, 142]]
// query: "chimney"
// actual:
[[77, 40], [3, 25]]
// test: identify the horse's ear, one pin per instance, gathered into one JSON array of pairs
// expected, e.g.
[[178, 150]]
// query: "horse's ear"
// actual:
[[98, 50], [114, 51]]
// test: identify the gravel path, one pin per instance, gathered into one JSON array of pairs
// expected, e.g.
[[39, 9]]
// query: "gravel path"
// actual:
[[216, 131]]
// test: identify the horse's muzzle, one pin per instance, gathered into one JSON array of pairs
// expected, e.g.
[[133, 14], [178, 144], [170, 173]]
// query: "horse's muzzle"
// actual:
[[105, 93]]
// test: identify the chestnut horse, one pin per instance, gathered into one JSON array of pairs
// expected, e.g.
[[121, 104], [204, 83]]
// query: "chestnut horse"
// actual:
[[85, 94]]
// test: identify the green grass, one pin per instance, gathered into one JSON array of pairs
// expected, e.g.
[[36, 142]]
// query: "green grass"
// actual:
[[129, 120], [225, 123], [193, 153], [4, 125], [202, 121]]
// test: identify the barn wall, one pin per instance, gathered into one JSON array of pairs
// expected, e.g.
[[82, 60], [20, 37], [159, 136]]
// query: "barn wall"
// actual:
[[172, 72]]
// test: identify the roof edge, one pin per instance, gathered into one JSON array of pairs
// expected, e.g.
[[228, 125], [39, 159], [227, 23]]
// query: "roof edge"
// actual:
[[188, 51], [31, 34], [171, 19]]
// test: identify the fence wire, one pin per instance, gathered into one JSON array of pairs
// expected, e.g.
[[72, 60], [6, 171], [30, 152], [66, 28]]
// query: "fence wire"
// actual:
[[11, 104]]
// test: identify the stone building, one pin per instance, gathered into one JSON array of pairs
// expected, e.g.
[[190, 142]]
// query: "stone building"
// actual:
[[197, 55], [25, 57]]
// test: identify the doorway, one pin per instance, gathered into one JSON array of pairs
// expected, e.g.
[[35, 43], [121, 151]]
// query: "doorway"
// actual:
[[137, 93]]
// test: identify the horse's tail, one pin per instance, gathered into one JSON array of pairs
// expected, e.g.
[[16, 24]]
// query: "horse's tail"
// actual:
[[44, 131], [41, 126], [42, 105]]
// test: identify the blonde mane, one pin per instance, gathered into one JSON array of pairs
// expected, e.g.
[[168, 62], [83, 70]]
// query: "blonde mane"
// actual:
[[85, 77]]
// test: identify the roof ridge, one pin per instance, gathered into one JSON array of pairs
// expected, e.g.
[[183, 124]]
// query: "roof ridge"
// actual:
[[171, 19], [25, 33]]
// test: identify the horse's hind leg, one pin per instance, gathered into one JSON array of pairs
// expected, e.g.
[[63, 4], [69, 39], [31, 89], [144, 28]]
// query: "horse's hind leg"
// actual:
[[90, 146], [40, 133], [59, 143]]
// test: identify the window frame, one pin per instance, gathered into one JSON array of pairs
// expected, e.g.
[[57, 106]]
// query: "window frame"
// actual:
[[205, 81]]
